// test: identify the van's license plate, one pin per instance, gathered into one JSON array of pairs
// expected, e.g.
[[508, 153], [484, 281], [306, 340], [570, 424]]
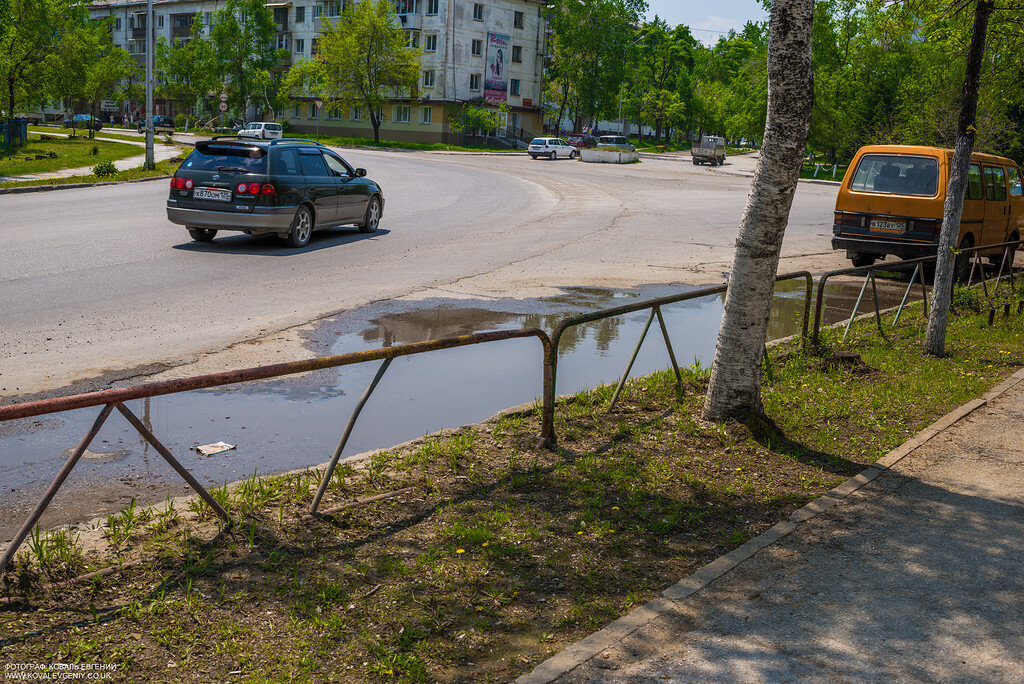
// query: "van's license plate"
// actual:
[[218, 194], [898, 227]]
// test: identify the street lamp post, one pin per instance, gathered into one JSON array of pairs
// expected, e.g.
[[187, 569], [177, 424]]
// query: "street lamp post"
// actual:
[[622, 123], [150, 157]]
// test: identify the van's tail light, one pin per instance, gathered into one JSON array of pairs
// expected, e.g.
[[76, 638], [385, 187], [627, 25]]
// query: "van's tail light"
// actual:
[[850, 220], [255, 189]]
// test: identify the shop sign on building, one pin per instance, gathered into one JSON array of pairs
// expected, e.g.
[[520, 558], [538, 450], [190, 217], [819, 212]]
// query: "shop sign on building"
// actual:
[[496, 78]]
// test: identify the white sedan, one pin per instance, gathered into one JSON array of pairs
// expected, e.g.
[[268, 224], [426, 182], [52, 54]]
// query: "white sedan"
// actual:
[[552, 148]]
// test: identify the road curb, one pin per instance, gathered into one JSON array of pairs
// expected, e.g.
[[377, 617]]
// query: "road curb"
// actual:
[[71, 186], [580, 652]]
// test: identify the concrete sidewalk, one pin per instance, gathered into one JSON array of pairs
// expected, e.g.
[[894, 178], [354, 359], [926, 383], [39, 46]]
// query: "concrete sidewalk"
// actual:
[[912, 571], [160, 152]]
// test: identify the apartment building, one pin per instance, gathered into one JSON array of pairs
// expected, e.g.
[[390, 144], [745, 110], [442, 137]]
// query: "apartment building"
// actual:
[[489, 51]]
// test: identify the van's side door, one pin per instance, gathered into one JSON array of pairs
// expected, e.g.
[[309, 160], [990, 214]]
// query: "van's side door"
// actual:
[[997, 210], [1016, 202], [321, 186]]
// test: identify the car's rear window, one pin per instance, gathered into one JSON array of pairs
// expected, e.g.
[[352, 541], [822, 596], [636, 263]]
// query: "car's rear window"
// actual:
[[897, 174], [215, 157], [539, 141]]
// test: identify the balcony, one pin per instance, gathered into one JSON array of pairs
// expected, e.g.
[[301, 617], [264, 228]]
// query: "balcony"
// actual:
[[410, 21]]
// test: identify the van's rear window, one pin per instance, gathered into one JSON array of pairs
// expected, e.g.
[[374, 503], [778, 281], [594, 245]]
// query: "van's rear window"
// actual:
[[219, 157], [897, 174]]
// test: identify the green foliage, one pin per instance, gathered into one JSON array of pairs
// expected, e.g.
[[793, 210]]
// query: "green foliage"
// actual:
[[364, 60], [241, 40], [472, 117], [104, 169], [188, 70]]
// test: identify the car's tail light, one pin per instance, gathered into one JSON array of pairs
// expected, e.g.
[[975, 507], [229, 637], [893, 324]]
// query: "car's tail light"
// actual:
[[242, 188], [268, 189], [179, 183], [188, 183], [254, 188]]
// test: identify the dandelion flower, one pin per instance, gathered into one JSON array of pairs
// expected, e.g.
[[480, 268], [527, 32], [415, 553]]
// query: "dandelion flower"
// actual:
[[460, 551]]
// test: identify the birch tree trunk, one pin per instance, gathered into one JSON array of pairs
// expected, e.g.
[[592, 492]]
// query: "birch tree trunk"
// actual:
[[945, 266], [735, 387]]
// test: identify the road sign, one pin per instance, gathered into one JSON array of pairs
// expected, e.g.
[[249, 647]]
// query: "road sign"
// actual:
[[319, 103], [108, 105], [223, 97], [223, 106]]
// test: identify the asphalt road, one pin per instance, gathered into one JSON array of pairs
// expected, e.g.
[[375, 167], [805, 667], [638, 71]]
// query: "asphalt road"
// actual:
[[96, 283]]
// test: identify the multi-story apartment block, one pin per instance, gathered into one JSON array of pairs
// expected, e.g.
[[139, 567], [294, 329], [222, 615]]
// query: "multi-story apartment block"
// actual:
[[488, 51]]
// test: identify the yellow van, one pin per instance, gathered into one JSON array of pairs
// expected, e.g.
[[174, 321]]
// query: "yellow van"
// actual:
[[892, 197]]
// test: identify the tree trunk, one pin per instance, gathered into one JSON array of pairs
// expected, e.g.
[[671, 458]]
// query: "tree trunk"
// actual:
[[375, 122], [10, 112], [735, 386], [945, 266]]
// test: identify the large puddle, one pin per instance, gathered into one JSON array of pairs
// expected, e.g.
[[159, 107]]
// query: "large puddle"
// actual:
[[296, 422]]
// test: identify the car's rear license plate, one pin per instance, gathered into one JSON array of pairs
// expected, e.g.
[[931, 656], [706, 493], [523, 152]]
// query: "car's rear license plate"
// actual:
[[218, 194], [879, 226]]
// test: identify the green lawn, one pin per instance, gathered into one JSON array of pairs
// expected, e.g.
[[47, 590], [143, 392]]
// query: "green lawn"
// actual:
[[163, 168], [60, 153], [824, 173]]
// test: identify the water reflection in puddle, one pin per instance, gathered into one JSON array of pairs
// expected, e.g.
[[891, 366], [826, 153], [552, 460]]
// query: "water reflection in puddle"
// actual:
[[295, 422]]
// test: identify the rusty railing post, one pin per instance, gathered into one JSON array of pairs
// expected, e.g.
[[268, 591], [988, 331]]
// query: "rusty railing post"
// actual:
[[37, 512], [671, 354], [548, 438], [148, 435], [632, 360], [348, 432]]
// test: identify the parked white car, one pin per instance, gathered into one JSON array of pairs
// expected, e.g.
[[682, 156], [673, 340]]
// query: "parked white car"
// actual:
[[262, 130], [552, 148]]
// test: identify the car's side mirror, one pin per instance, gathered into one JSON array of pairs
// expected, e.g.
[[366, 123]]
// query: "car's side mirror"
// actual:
[[360, 173]]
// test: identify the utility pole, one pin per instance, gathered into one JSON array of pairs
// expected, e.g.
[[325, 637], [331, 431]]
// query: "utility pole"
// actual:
[[150, 158]]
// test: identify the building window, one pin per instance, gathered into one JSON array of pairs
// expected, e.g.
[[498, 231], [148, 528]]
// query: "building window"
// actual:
[[334, 113], [432, 6], [414, 39], [477, 48], [300, 15], [295, 111], [208, 18], [428, 79], [518, 20], [517, 53], [300, 46], [407, 6], [117, 24], [313, 47], [357, 113], [474, 81], [402, 113], [426, 115], [318, 11], [159, 21], [514, 87], [313, 112], [282, 42], [478, 12], [431, 44], [332, 8], [136, 47]]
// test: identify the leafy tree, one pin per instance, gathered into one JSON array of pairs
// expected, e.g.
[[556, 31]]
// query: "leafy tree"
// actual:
[[242, 37], [364, 60], [30, 30], [187, 70], [106, 76]]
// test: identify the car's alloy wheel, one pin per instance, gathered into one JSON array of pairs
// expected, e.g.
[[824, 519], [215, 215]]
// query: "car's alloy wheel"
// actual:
[[372, 218], [202, 234], [572, 155], [302, 228], [554, 154]]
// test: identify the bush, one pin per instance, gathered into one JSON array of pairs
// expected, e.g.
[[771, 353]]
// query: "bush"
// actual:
[[104, 169], [179, 121], [95, 150]]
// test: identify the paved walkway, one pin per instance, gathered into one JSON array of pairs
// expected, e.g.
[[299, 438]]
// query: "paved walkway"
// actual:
[[910, 572], [160, 152]]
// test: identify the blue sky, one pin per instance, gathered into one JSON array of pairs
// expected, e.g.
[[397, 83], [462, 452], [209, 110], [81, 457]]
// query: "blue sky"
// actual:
[[709, 15]]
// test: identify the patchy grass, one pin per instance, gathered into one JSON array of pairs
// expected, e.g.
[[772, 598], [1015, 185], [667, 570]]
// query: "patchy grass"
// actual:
[[824, 173], [342, 141], [501, 554], [163, 168], [40, 156]]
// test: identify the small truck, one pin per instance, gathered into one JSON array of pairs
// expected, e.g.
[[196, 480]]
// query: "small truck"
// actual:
[[710, 150]]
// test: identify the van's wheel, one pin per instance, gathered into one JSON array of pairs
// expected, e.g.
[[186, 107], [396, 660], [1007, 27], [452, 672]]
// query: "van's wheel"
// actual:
[[859, 260], [962, 264], [1011, 252], [372, 218], [202, 234], [302, 228]]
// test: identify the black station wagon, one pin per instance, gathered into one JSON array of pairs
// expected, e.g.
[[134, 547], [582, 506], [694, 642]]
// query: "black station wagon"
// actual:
[[285, 187]]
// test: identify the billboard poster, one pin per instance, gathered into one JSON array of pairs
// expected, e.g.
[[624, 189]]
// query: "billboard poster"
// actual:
[[496, 78]]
